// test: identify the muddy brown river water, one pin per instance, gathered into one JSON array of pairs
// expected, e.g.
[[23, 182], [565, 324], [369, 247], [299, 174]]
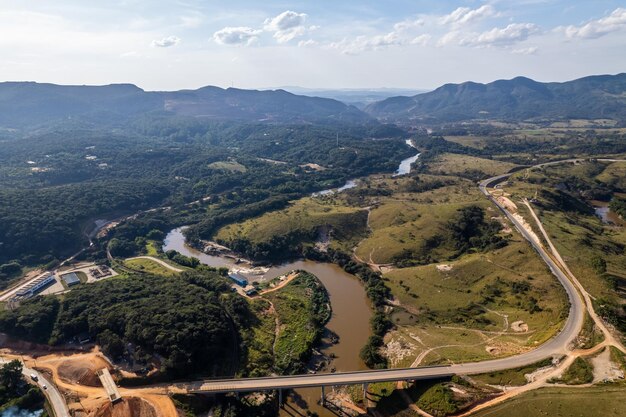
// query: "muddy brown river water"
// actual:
[[349, 321]]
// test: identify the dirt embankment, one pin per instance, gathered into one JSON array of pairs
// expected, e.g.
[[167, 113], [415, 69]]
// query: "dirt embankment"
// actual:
[[129, 407], [82, 372]]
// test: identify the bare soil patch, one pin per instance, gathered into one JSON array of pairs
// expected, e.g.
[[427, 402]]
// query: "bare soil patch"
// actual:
[[128, 407], [82, 371], [519, 326]]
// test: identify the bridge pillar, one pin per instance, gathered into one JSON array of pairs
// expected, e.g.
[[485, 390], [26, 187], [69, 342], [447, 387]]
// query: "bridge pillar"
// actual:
[[365, 386], [280, 398], [323, 397]]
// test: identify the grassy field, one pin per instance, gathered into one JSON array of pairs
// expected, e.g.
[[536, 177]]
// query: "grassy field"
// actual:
[[305, 216], [259, 339], [148, 266], [605, 401], [230, 165], [403, 221], [438, 398], [590, 335], [152, 248], [515, 377], [580, 372], [578, 236], [463, 165], [302, 308]]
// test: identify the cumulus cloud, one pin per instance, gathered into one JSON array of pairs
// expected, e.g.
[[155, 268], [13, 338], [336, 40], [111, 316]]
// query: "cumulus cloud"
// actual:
[[166, 42], [597, 28], [241, 35], [502, 37], [513, 33], [463, 15], [286, 26]]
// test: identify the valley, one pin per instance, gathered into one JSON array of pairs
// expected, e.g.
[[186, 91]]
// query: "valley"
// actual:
[[455, 256]]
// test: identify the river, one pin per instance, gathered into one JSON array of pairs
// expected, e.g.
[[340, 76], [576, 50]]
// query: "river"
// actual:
[[405, 164], [351, 307], [403, 169], [19, 412], [349, 321]]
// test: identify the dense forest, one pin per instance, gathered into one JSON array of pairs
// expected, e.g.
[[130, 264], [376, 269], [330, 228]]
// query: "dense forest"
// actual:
[[56, 182], [189, 321]]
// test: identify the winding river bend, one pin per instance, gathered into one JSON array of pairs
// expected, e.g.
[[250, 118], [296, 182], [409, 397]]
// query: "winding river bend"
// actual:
[[403, 169], [350, 305]]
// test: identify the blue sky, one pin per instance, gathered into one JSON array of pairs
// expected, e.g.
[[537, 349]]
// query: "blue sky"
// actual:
[[164, 45]]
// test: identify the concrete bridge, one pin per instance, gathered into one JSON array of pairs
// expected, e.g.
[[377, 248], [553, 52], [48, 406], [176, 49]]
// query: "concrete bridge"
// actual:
[[281, 383]]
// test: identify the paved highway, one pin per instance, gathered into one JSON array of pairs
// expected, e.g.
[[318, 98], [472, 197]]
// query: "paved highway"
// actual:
[[55, 399], [556, 346]]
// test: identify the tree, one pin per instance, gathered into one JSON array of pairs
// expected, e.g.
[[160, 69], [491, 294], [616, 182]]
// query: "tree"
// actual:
[[10, 378], [598, 264]]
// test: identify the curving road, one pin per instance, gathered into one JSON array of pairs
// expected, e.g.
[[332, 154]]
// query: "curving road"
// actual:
[[52, 393], [558, 345]]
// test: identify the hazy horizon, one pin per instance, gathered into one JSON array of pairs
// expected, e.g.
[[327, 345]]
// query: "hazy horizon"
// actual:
[[417, 90]]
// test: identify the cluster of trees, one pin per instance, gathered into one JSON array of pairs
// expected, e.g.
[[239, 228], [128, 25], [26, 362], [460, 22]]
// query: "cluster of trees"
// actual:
[[618, 206], [14, 391], [9, 271], [370, 353], [186, 320], [181, 259], [469, 230]]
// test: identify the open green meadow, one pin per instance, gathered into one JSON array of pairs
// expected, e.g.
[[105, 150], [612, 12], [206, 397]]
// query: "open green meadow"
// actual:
[[304, 217], [605, 401], [148, 266]]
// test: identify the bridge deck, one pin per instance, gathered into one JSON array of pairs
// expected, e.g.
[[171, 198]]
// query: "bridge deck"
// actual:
[[109, 385]]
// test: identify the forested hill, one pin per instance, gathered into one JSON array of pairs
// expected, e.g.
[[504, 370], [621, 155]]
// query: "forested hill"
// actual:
[[29, 104], [594, 97]]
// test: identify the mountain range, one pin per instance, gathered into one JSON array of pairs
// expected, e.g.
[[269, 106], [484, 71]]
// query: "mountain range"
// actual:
[[594, 97], [28, 104]]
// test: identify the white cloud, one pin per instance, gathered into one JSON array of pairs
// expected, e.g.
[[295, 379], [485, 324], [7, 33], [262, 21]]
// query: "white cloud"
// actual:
[[166, 42], [367, 43], [241, 35], [307, 43], [286, 26], [463, 15], [596, 28], [421, 40], [408, 24], [513, 33], [531, 50], [502, 37]]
